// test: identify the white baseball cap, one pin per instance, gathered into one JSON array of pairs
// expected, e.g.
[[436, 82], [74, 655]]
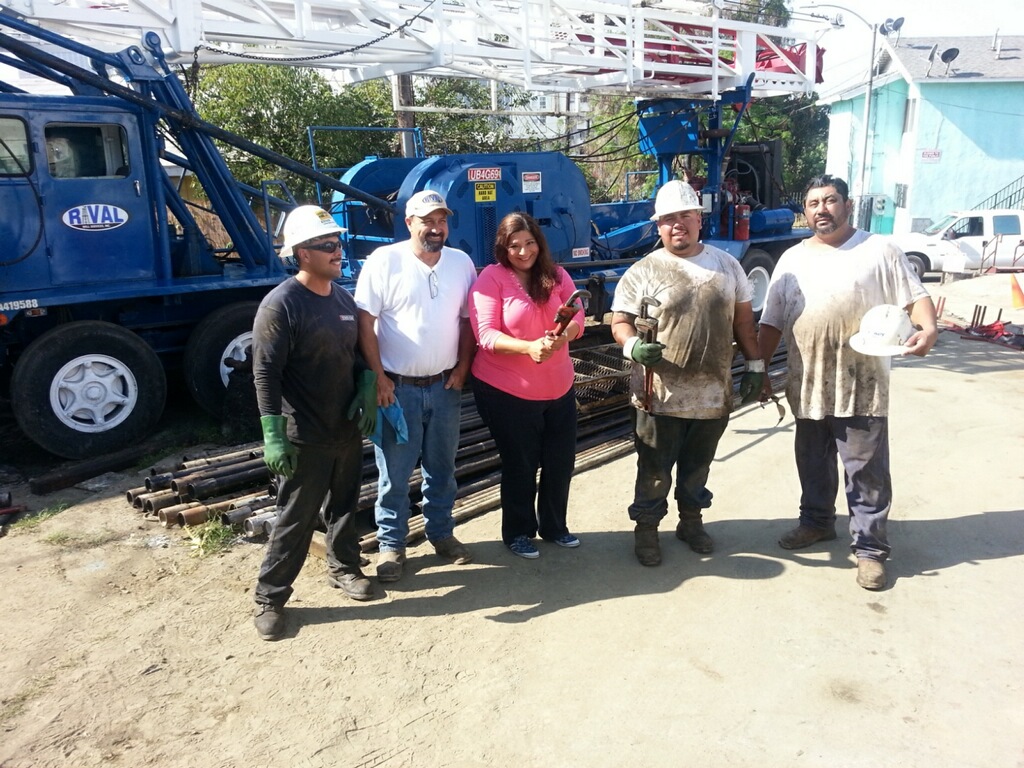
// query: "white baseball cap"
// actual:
[[425, 202], [884, 331]]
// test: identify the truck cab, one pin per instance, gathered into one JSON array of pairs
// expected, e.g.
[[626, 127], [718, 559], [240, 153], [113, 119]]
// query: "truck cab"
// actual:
[[967, 240]]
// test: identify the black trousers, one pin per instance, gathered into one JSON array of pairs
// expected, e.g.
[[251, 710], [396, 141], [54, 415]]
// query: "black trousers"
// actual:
[[531, 434], [664, 443], [326, 482]]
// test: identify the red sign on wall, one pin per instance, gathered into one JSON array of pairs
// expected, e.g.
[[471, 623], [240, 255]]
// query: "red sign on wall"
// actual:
[[484, 174]]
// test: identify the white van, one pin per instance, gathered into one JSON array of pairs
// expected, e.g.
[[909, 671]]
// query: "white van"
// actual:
[[966, 240]]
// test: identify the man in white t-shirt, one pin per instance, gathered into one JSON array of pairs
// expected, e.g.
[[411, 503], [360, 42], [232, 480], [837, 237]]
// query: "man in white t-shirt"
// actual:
[[818, 295], [703, 302], [415, 335]]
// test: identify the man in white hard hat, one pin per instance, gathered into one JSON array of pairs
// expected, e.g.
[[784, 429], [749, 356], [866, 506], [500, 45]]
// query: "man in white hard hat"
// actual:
[[317, 399], [818, 295], [701, 300], [415, 334]]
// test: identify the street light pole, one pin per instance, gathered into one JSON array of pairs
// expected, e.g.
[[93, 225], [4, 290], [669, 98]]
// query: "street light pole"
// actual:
[[860, 189], [862, 209]]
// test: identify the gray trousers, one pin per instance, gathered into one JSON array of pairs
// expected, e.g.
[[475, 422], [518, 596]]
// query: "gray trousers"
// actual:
[[862, 443], [334, 475], [664, 443]]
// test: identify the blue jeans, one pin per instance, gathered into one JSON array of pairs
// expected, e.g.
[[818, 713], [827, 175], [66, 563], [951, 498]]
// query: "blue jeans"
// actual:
[[432, 415], [862, 443]]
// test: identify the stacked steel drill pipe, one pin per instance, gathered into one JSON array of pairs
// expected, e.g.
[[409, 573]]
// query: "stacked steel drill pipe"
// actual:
[[223, 485]]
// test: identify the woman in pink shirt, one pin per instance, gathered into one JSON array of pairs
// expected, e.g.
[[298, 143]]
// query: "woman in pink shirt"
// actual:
[[524, 382]]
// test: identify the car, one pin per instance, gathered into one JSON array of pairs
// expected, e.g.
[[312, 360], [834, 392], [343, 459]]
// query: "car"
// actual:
[[966, 240]]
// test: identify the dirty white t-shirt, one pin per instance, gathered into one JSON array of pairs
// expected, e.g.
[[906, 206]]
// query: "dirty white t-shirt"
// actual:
[[817, 297], [698, 298]]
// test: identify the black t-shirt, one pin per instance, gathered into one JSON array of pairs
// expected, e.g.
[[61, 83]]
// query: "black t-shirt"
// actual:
[[305, 362]]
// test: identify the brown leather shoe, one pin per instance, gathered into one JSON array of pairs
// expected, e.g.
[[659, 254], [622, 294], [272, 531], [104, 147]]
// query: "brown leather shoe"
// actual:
[[352, 583], [454, 550], [692, 532], [870, 573], [389, 566], [803, 536], [646, 546]]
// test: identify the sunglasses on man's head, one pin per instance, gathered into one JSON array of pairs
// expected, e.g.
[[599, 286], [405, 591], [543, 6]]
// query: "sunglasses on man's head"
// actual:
[[329, 247]]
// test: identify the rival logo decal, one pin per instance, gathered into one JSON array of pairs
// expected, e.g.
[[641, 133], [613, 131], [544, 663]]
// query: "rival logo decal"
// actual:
[[94, 216]]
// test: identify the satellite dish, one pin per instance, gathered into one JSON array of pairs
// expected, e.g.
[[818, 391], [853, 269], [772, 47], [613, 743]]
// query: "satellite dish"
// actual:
[[932, 52], [947, 57]]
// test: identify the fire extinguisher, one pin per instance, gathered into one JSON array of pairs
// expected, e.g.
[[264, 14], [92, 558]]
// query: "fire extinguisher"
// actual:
[[742, 226]]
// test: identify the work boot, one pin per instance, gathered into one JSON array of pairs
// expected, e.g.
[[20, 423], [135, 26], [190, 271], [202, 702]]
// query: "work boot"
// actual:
[[803, 536], [453, 549], [353, 583], [269, 621], [870, 574], [389, 566], [693, 533], [645, 546]]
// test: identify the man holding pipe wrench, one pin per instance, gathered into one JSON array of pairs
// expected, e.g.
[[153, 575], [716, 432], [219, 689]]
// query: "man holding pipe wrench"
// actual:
[[676, 313]]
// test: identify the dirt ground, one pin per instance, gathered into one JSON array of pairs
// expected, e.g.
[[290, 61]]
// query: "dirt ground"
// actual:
[[119, 648]]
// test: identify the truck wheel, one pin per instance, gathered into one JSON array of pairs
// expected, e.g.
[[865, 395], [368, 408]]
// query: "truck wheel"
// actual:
[[759, 267], [225, 333], [917, 263], [87, 388]]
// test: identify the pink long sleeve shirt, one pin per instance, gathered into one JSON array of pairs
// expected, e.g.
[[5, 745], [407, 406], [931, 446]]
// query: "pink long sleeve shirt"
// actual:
[[498, 305]]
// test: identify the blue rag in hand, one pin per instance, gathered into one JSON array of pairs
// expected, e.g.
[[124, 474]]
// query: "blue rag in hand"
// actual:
[[393, 415]]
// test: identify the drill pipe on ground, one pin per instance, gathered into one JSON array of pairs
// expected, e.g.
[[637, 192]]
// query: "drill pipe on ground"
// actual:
[[180, 484], [168, 516], [204, 489], [166, 479], [238, 452], [161, 500], [236, 515], [253, 526]]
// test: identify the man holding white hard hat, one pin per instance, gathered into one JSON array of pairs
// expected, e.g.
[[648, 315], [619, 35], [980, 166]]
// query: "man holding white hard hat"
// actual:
[[841, 300]]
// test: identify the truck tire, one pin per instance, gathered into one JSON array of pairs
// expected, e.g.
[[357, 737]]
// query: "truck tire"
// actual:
[[87, 388], [918, 264], [224, 333], [759, 267]]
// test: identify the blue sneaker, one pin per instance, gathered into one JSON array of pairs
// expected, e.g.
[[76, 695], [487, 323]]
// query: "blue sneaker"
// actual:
[[568, 540], [523, 547]]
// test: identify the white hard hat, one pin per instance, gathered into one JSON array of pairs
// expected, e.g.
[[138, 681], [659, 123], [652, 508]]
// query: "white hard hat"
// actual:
[[675, 196], [425, 202], [884, 331], [307, 222]]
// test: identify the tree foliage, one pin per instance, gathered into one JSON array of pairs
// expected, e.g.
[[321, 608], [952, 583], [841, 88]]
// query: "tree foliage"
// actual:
[[802, 126], [273, 105], [447, 132]]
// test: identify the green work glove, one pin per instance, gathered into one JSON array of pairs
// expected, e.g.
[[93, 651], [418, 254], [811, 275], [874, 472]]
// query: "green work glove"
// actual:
[[750, 387], [278, 452], [647, 352], [363, 409]]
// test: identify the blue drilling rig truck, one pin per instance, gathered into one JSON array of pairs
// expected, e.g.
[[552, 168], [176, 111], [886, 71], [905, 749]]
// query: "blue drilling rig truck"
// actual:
[[107, 281]]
